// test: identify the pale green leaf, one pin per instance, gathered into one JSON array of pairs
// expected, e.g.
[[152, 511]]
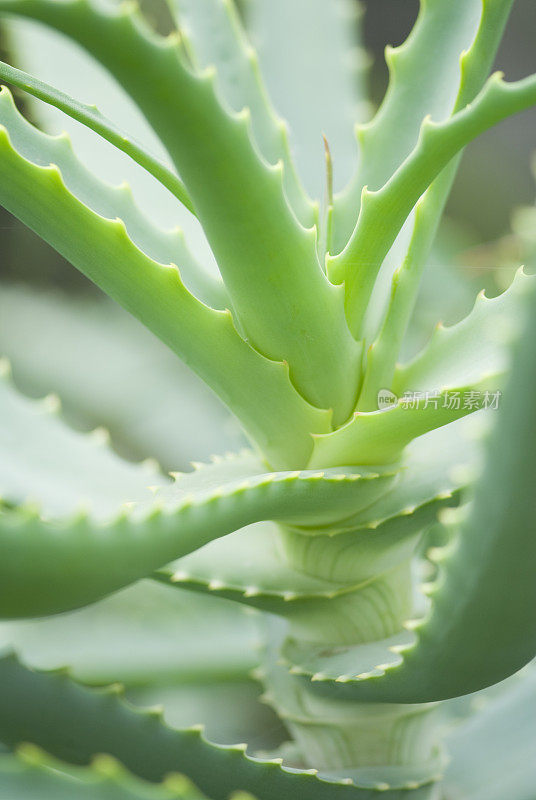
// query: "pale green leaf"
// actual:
[[262, 398], [384, 211], [75, 723], [212, 34], [109, 370], [318, 89], [286, 309], [93, 119]]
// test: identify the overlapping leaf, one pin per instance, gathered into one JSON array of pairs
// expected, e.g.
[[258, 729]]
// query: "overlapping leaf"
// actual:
[[59, 554], [264, 400], [450, 653], [286, 303], [75, 723]]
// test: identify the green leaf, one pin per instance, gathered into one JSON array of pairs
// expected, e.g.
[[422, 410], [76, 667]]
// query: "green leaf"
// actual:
[[109, 202], [74, 723], [379, 437], [428, 59], [74, 537], [286, 304], [384, 211], [474, 347], [93, 119], [257, 390], [31, 774], [127, 637], [212, 34], [475, 65], [248, 567], [109, 370], [453, 653], [318, 89]]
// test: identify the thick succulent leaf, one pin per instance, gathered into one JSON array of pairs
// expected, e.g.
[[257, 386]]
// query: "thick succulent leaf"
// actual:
[[109, 370], [60, 555], [429, 60], [93, 119], [476, 346], [62, 471], [434, 467], [249, 569], [31, 774], [379, 437], [490, 752], [75, 723], [384, 211], [249, 566], [109, 202], [319, 90], [264, 400], [286, 309], [486, 572], [475, 65], [136, 637], [449, 367], [212, 34]]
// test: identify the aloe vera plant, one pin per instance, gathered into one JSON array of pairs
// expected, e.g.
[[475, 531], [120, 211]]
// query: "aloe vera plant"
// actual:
[[363, 474]]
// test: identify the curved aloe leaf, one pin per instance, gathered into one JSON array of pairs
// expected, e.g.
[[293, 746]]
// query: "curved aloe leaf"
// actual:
[[126, 637], [384, 211], [93, 119], [58, 554], [451, 356], [204, 338], [452, 653], [431, 58], [475, 65], [316, 92], [280, 293], [110, 202], [212, 34], [31, 774], [447, 380], [51, 711], [108, 370]]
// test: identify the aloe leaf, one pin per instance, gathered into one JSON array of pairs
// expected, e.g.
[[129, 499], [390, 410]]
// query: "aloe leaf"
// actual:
[[248, 568], [126, 638], [93, 119], [110, 202], [429, 59], [264, 401], [451, 357], [212, 34], [384, 211], [452, 654], [108, 370], [31, 774], [379, 437], [475, 65], [435, 466], [287, 303], [319, 90], [51, 711], [64, 531]]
